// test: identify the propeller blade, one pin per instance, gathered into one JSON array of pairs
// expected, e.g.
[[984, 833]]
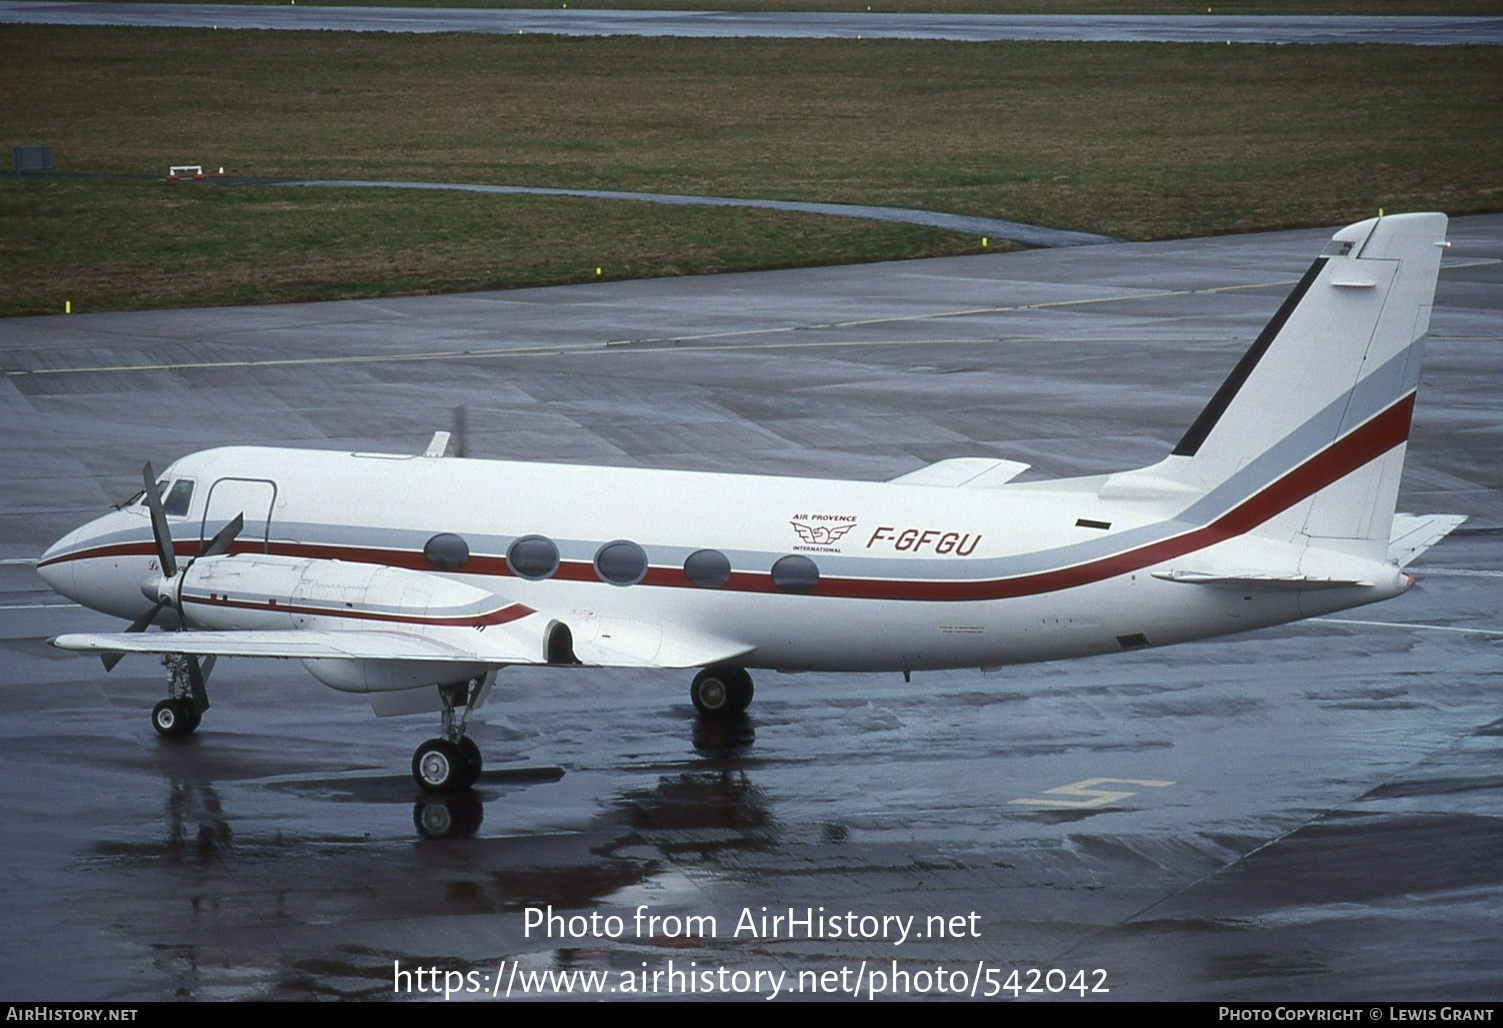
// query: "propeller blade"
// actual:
[[223, 538], [139, 625], [200, 697], [159, 529]]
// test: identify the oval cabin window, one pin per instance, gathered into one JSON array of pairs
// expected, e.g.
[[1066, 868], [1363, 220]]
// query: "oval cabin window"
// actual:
[[708, 569], [795, 574], [532, 557], [447, 551], [621, 563]]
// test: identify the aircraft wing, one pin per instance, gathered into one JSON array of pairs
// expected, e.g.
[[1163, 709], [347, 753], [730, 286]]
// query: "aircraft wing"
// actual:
[[599, 642], [309, 644], [1413, 534]]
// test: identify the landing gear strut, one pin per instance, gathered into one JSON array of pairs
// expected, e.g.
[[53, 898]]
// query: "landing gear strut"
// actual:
[[452, 762], [721, 692]]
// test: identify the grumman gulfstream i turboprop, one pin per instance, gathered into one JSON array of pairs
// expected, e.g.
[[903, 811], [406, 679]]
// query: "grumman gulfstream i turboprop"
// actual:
[[419, 576]]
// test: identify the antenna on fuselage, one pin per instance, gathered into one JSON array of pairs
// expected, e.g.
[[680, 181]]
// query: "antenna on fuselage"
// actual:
[[442, 442]]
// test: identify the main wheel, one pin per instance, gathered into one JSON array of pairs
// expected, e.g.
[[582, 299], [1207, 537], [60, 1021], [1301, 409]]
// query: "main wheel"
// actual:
[[472, 760], [173, 718], [715, 692], [439, 766]]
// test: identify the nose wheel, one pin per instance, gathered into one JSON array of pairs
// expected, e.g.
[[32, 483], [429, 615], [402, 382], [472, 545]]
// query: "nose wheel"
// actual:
[[183, 710], [175, 718]]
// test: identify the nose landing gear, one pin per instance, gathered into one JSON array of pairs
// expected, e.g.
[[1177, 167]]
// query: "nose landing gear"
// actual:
[[183, 710], [174, 718]]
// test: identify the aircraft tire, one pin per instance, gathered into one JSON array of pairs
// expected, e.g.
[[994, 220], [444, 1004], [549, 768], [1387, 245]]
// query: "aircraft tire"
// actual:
[[721, 692], [439, 765], [173, 718]]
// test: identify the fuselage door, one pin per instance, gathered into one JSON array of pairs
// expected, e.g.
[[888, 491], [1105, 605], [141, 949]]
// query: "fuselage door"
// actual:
[[251, 497]]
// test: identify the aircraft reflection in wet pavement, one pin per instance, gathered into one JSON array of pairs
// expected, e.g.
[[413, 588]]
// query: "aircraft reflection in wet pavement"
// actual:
[[412, 579]]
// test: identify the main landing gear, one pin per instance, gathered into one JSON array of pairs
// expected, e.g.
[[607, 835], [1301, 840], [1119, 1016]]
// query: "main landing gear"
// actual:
[[721, 692], [452, 762]]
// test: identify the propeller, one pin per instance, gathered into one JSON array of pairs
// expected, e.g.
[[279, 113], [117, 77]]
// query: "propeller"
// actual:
[[166, 588]]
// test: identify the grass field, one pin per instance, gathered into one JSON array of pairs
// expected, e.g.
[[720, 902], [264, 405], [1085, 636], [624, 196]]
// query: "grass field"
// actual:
[[1141, 140]]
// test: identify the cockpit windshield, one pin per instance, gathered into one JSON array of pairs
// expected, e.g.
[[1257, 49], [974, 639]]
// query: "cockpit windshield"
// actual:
[[177, 497]]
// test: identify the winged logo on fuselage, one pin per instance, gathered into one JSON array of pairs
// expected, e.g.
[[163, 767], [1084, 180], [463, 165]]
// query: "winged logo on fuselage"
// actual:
[[821, 531]]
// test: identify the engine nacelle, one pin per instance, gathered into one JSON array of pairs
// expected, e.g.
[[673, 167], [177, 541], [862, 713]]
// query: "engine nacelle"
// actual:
[[262, 591], [268, 592]]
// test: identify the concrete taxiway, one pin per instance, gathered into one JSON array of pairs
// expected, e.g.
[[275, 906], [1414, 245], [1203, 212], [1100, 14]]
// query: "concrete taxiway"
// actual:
[[1311, 812], [996, 228], [974, 28]]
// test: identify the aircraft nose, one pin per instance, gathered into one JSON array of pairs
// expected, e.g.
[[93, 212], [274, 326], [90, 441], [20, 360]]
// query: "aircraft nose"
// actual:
[[56, 571], [94, 566]]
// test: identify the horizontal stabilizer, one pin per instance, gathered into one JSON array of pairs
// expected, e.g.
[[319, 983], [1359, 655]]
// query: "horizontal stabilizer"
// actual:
[[1413, 534], [971, 472], [1258, 580]]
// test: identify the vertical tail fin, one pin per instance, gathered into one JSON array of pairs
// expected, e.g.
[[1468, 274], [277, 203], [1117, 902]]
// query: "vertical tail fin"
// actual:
[[1306, 437]]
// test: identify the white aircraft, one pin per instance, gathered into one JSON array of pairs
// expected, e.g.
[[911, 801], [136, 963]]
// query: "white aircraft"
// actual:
[[405, 576]]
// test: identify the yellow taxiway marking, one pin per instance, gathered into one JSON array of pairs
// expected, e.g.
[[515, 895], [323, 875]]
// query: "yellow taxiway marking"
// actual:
[[1085, 794]]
